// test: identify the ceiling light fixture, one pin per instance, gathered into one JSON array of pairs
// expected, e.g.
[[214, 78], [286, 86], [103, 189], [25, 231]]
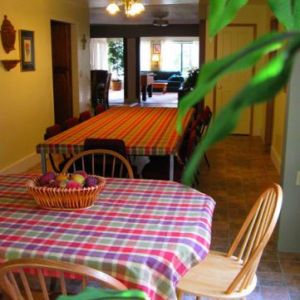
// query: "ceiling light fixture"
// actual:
[[131, 7], [160, 23]]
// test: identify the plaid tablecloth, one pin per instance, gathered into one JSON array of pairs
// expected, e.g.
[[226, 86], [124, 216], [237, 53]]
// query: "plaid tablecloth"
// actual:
[[145, 131], [145, 233]]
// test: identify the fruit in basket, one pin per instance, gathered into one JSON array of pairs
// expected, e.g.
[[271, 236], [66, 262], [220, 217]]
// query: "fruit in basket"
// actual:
[[54, 184], [78, 178], [82, 173], [91, 181], [62, 177], [46, 178], [71, 184], [70, 181]]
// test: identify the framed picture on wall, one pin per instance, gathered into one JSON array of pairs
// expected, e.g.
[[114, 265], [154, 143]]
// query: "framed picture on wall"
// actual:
[[156, 48], [27, 50]]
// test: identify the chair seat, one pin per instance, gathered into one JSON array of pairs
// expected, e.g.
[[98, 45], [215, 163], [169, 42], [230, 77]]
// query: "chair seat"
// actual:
[[212, 277]]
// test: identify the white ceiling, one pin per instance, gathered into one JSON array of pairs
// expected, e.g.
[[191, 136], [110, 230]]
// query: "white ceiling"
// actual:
[[177, 11]]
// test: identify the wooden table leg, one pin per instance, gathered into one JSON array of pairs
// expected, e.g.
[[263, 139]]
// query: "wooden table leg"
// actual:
[[171, 170], [144, 95]]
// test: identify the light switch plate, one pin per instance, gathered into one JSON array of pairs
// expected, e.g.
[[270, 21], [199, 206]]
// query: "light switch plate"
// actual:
[[298, 178]]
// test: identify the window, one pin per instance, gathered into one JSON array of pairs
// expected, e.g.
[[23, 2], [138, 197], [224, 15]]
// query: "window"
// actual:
[[99, 54], [179, 55], [145, 55]]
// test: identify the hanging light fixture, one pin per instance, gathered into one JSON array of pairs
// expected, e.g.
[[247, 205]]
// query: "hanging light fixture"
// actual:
[[131, 7]]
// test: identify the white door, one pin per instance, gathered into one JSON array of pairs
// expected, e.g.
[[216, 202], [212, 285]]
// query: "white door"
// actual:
[[229, 40]]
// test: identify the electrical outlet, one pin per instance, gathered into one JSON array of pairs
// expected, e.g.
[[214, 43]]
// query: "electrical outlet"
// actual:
[[298, 178]]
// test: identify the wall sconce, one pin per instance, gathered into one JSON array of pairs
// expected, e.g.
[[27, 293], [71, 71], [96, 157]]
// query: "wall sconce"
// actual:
[[83, 41]]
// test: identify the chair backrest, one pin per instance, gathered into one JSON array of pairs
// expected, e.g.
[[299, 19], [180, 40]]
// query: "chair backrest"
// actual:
[[106, 91], [99, 109], [52, 131], [101, 162], [69, 123], [203, 121], [109, 144], [252, 238], [85, 115], [16, 277]]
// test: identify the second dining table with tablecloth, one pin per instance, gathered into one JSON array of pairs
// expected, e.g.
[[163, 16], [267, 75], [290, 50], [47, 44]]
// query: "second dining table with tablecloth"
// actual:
[[146, 131]]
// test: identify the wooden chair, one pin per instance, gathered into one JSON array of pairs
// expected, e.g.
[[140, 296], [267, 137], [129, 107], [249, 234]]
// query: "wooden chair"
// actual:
[[201, 125], [71, 122], [100, 108], [102, 162], [50, 132], [85, 115], [158, 167], [17, 283], [231, 275]]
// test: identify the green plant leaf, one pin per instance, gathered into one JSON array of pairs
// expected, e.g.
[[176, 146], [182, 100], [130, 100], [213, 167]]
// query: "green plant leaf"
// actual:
[[262, 87], [287, 12], [245, 58], [222, 12]]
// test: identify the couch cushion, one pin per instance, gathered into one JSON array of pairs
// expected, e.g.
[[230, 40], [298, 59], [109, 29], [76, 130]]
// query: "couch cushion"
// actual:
[[162, 81], [176, 77], [164, 75]]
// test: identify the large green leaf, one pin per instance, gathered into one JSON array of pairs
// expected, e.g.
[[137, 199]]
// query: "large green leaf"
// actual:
[[222, 12], [245, 58], [287, 12], [91, 293], [262, 87]]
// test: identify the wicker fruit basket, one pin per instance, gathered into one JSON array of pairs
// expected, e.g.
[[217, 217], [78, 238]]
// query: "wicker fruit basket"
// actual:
[[55, 198]]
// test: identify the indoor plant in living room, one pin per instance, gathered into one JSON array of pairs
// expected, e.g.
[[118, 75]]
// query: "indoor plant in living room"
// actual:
[[116, 62]]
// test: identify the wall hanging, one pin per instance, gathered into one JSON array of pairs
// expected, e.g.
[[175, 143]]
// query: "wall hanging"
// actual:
[[8, 35], [27, 50]]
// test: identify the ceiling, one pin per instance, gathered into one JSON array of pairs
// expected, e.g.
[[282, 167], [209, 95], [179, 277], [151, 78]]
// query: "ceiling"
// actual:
[[176, 12]]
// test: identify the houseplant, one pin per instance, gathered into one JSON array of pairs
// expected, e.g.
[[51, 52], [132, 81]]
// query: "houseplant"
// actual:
[[262, 87], [189, 82], [116, 62]]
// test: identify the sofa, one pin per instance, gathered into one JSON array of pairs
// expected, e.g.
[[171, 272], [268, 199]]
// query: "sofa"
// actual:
[[174, 79]]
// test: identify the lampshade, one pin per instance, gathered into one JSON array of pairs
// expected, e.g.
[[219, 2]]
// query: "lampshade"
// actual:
[[155, 57], [131, 7]]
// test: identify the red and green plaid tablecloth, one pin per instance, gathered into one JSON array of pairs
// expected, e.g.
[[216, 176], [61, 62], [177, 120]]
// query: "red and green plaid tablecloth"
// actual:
[[145, 233], [145, 131]]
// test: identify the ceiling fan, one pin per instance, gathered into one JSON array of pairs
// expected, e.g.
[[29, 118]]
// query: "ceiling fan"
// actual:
[[159, 20]]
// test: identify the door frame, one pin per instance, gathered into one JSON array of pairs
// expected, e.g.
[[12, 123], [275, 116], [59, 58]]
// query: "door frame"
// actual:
[[253, 69], [70, 61]]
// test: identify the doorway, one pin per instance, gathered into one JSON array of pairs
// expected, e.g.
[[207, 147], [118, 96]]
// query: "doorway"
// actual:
[[107, 54], [165, 63], [61, 71], [228, 41]]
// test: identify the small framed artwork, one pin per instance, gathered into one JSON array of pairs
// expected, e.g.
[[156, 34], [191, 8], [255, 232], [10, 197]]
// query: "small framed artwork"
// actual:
[[156, 48], [27, 50]]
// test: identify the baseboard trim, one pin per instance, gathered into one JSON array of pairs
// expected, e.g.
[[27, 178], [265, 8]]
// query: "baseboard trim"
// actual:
[[22, 165], [276, 159]]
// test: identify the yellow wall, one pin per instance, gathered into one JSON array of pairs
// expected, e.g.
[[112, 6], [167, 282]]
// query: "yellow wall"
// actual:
[[247, 15], [26, 105], [260, 15]]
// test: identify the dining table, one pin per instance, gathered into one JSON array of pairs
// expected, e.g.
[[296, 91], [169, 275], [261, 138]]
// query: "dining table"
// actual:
[[146, 131], [145, 233]]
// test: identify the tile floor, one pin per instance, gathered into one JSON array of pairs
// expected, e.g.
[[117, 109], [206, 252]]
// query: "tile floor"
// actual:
[[240, 170]]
